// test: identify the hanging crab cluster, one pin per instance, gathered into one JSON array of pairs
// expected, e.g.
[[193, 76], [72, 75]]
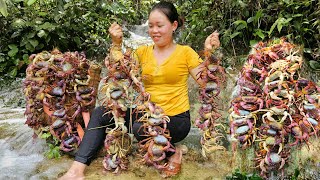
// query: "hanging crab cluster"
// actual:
[[274, 105], [62, 84], [121, 89], [157, 143], [212, 75], [115, 90]]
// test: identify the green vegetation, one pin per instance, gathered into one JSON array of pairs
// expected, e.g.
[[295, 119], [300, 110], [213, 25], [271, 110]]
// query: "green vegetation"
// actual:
[[31, 26], [53, 144], [237, 175], [244, 23]]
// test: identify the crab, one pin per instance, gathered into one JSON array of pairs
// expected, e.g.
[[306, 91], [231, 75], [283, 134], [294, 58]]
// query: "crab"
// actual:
[[271, 161], [112, 162], [210, 90], [249, 72], [211, 141], [278, 96], [208, 115], [248, 88], [156, 148], [70, 143], [277, 111], [275, 78], [250, 103], [242, 129], [154, 119], [300, 128], [268, 141]]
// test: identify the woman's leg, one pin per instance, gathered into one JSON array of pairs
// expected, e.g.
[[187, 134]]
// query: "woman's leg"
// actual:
[[179, 127], [92, 141], [94, 136]]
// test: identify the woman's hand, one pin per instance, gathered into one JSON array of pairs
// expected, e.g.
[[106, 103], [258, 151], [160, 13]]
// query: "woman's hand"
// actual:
[[212, 41], [115, 31]]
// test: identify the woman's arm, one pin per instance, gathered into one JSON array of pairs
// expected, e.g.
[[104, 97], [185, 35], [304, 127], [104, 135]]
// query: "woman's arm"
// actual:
[[196, 72], [116, 33]]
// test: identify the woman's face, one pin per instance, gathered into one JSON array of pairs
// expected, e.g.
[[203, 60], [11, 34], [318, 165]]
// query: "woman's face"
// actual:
[[160, 28]]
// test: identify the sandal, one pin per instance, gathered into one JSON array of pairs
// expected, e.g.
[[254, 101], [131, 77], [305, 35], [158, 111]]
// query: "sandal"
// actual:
[[172, 169]]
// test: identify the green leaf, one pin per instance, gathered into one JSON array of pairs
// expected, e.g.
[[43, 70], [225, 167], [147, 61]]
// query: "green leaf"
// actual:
[[34, 42], [234, 34], [29, 47], [250, 19], [240, 22], [12, 46], [16, 34], [253, 42], [48, 38], [286, 21], [46, 26], [41, 33], [45, 135], [24, 41], [14, 50], [31, 35], [2, 59], [77, 41], [16, 62], [273, 26], [314, 65], [279, 26], [259, 33], [3, 8], [30, 2], [42, 13], [25, 57], [13, 72], [307, 50], [297, 15], [40, 46]]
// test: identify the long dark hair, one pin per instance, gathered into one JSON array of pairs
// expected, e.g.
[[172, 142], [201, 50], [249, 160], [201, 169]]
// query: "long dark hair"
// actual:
[[169, 10]]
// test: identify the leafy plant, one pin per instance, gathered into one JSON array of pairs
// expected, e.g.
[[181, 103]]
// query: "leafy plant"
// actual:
[[53, 152], [33, 26], [237, 175], [53, 144], [3, 8]]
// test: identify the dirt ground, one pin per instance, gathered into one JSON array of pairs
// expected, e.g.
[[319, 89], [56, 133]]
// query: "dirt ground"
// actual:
[[194, 166]]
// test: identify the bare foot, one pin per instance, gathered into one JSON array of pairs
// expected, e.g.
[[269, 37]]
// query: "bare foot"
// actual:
[[76, 172]]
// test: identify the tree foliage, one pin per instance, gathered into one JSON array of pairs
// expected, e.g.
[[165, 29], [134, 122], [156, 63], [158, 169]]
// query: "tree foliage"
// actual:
[[242, 23], [31, 26]]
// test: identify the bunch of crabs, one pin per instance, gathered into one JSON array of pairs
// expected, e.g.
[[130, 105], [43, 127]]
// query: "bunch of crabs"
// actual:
[[122, 89], [65, 85], [213, 75], [275, 108]]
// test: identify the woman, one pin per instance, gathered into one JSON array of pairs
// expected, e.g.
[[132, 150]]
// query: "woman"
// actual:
[[167, 66]]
